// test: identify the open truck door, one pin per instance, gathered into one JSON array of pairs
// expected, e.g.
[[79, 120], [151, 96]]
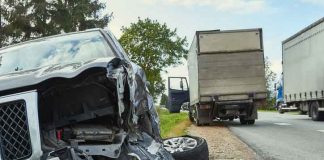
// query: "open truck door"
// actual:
[[178, 93]]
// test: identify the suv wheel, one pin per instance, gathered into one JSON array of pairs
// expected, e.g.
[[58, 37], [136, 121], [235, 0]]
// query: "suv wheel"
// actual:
[[187, 148]]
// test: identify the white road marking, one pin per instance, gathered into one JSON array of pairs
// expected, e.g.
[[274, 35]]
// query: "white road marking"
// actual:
[[283, 124], [321, 131]]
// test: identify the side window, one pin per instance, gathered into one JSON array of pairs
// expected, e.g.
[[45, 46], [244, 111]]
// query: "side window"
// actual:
[[178, 84]]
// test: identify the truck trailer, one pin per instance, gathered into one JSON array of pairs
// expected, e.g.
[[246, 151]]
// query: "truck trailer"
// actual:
[[226, 77], [303, 66]]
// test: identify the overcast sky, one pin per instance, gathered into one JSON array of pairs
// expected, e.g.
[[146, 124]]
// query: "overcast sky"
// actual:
[[279, 19]]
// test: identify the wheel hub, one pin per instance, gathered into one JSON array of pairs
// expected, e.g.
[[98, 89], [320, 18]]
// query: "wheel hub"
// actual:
[[179, 144]]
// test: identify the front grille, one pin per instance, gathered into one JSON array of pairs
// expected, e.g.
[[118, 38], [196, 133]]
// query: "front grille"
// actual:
[[14, 134]]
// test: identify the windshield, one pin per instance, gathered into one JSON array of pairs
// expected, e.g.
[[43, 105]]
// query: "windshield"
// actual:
[[79, 47]]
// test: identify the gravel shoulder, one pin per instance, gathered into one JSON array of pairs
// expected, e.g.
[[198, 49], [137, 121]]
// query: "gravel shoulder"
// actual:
[[222, 144]]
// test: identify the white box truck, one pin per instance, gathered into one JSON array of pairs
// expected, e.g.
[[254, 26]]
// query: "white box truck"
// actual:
[[226, 77], [303, 70]]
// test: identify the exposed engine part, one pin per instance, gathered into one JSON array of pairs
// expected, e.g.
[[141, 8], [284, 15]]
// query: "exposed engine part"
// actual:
[[87, 151], [66, 102], [87, 132], [67, 153]]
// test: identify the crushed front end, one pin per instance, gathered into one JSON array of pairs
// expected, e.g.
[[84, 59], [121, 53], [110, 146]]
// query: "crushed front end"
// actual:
[[101, 113]]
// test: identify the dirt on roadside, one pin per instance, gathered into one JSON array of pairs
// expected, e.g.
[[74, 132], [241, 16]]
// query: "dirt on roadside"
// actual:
[[222, 144]]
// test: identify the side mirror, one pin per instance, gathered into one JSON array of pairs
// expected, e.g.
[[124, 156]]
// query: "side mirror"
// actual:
[[181, 84]]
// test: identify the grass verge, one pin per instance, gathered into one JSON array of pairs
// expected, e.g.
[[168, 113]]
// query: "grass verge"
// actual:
[[174, 124]]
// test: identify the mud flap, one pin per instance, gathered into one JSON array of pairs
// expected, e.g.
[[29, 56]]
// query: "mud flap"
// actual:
[[204, 116]]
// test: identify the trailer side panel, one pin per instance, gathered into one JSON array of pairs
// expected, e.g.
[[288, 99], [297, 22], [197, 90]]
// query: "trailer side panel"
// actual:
[[303, 65], [193, 72]]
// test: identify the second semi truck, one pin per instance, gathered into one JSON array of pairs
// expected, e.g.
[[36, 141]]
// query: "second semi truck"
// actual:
[[226, 77], [303, 71]]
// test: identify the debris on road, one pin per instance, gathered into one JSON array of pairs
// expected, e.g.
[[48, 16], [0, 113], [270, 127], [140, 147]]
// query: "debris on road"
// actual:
[[222, 144]]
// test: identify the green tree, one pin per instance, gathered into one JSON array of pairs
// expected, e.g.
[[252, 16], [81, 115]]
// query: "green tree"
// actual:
[[154, 47], [26, 19], [74, 15], [270, 80]]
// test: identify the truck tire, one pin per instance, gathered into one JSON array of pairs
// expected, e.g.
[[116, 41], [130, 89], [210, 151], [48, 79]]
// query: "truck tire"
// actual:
[[196, 117], [316, 115], [280, 109], [197, 150], [251, 122], [191, 118], [197, 123], [243, 121]]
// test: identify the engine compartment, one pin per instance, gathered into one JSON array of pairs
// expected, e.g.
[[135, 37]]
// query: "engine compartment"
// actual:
[[79, 111]]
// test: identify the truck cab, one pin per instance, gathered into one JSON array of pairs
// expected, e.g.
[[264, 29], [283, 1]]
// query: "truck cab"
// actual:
[[278, 89], [178, 94]]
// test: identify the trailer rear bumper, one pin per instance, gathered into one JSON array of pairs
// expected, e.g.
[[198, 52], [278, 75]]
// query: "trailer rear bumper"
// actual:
[[286, 107], [290, 109]]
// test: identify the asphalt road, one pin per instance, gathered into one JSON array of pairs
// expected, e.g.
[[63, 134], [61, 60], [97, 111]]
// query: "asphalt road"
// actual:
[[283, 136]]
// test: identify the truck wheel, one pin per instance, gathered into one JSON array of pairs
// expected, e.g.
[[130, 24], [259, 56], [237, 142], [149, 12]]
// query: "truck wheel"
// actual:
[[316, 115], [231, 118], [280, 109], [197, 122], [196, 118], [251, 122], [243, 121], [187, 148], [191, 118]]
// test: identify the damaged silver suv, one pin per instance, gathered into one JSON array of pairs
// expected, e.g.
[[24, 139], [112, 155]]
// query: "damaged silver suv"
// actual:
[[77, 96]]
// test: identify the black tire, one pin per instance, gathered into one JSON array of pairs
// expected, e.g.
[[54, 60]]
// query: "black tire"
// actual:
[[197, 123], [200, 152], [191, 118], [243, 121], [280, 109], [250, 122], [196, 117], [231, 118], [316, 115]]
